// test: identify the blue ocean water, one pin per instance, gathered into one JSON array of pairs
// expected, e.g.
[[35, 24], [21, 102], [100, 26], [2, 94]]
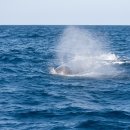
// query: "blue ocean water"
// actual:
[[33, 98]]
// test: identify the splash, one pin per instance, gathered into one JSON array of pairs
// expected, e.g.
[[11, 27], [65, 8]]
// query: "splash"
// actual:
[[80, 53]]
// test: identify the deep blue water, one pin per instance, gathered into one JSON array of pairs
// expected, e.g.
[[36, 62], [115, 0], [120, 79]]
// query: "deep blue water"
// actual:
[[31, 98]]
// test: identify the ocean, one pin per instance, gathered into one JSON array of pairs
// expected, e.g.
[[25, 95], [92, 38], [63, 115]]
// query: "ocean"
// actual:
[[64, 77]]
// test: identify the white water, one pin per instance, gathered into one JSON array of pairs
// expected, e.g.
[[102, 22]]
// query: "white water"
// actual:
[[85, 54]]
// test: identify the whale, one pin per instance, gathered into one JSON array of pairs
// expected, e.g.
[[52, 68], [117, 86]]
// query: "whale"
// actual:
[[63, 70]]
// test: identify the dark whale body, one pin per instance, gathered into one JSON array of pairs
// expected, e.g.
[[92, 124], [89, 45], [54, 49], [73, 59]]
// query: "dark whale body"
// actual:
[[63, 70]]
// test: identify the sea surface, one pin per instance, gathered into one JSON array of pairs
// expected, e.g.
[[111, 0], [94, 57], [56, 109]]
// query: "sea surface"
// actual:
[[32, 97]]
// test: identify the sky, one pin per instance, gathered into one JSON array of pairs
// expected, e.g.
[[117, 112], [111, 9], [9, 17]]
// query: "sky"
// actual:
[[64, 12]]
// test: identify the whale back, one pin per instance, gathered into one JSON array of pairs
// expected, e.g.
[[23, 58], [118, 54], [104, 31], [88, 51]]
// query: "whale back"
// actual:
[[64, 70]]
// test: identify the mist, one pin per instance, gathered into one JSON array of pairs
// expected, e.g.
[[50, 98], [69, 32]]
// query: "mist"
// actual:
[[82, 53]]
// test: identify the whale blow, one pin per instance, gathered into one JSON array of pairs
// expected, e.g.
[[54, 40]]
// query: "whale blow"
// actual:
[[80, 53]]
